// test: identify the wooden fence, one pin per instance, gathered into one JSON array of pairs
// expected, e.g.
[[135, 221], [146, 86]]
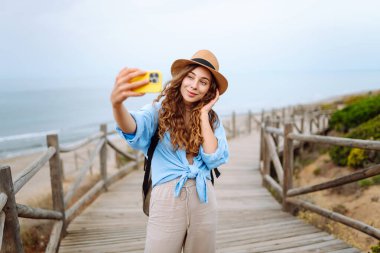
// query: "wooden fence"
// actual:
[[282, 131], [281, 135], [67, 205], [64, 207]]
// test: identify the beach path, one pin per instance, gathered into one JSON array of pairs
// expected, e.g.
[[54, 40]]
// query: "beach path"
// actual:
[[250, 220]]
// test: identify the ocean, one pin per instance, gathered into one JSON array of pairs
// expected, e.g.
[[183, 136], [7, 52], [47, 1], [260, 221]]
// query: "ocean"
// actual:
[[72, 112], [75, 108]]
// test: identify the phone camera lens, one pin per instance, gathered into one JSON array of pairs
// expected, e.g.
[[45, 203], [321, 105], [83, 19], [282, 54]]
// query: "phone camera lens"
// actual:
[[153, 77]]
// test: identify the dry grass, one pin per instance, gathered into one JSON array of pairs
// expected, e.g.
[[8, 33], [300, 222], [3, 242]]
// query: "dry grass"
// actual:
[[360, 203], [35, 233]]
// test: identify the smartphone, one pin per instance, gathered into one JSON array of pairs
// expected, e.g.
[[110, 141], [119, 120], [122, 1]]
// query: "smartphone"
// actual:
[[154, 85]]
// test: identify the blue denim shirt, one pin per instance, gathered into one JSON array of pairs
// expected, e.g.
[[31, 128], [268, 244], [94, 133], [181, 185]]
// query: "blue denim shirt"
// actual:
[[168, 163]]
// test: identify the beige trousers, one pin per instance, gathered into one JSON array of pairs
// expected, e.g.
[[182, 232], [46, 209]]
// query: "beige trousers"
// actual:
[[183, 222]]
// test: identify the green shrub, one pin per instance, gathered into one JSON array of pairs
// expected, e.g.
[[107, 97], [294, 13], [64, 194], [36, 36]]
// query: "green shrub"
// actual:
[[355, 114], [365, 182], [339, 155], [343, 156], [369, 181], [376, 179], [376, 248], [369, 130], [356, 158]]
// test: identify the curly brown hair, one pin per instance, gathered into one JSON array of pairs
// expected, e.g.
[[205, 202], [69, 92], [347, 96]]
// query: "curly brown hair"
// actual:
[[172, 114]]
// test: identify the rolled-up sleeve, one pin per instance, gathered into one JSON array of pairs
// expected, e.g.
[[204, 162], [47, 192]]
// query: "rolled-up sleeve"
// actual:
[[221, 154], [146, 123]]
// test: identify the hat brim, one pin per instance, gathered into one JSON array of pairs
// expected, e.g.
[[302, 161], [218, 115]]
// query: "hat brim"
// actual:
[[220, 80]]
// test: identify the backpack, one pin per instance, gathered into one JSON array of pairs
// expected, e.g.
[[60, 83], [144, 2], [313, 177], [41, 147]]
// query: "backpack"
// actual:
[[147, 183]]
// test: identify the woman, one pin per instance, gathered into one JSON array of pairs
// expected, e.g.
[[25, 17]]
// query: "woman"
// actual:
[[192, 142]]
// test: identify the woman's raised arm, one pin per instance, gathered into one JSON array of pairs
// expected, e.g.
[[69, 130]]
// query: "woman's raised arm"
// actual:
[[122, 90]]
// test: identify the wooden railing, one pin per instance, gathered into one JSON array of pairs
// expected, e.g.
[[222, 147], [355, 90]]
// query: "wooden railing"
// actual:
[[294, 135], [64, 208], [241, 124], [282, 131]]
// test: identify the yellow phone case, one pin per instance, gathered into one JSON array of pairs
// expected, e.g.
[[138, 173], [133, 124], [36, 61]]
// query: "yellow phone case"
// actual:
[[154, 85]]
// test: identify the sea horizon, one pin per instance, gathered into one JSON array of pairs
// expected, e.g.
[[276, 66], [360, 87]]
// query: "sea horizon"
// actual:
[[29, 108]]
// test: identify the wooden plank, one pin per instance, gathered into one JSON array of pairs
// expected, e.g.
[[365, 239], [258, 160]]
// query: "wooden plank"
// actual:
[[270, 244], [272, 183], [340, 141], [324, 246], [271, 148], [54, 237], [349, 250], [356, 176], [37, 213]]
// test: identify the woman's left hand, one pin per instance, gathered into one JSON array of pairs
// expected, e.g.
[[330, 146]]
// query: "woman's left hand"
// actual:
[[209, 106]]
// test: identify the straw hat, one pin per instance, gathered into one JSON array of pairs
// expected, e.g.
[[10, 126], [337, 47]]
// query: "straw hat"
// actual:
[[206, 59]]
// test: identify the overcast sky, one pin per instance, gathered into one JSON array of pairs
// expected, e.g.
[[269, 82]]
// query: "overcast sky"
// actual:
[[95, 39]]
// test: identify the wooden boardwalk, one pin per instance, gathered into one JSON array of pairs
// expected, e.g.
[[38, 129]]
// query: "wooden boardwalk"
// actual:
[[250, 220]]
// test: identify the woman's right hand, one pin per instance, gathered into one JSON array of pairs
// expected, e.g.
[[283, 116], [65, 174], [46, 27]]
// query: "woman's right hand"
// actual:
[[123, 87]]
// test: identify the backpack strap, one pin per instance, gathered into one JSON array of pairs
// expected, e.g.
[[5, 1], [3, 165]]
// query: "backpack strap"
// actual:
[[217, 174], [148, 161]]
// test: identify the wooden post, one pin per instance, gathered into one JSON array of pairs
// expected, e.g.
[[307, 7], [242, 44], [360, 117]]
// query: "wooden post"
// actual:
[[261, 135], [249, 122], [288, 166], [233, 124], [62, 169], [310, 123], [302, 131], [276, 137], [11, 236], [103, 155], [56, 180], [266, 155]]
